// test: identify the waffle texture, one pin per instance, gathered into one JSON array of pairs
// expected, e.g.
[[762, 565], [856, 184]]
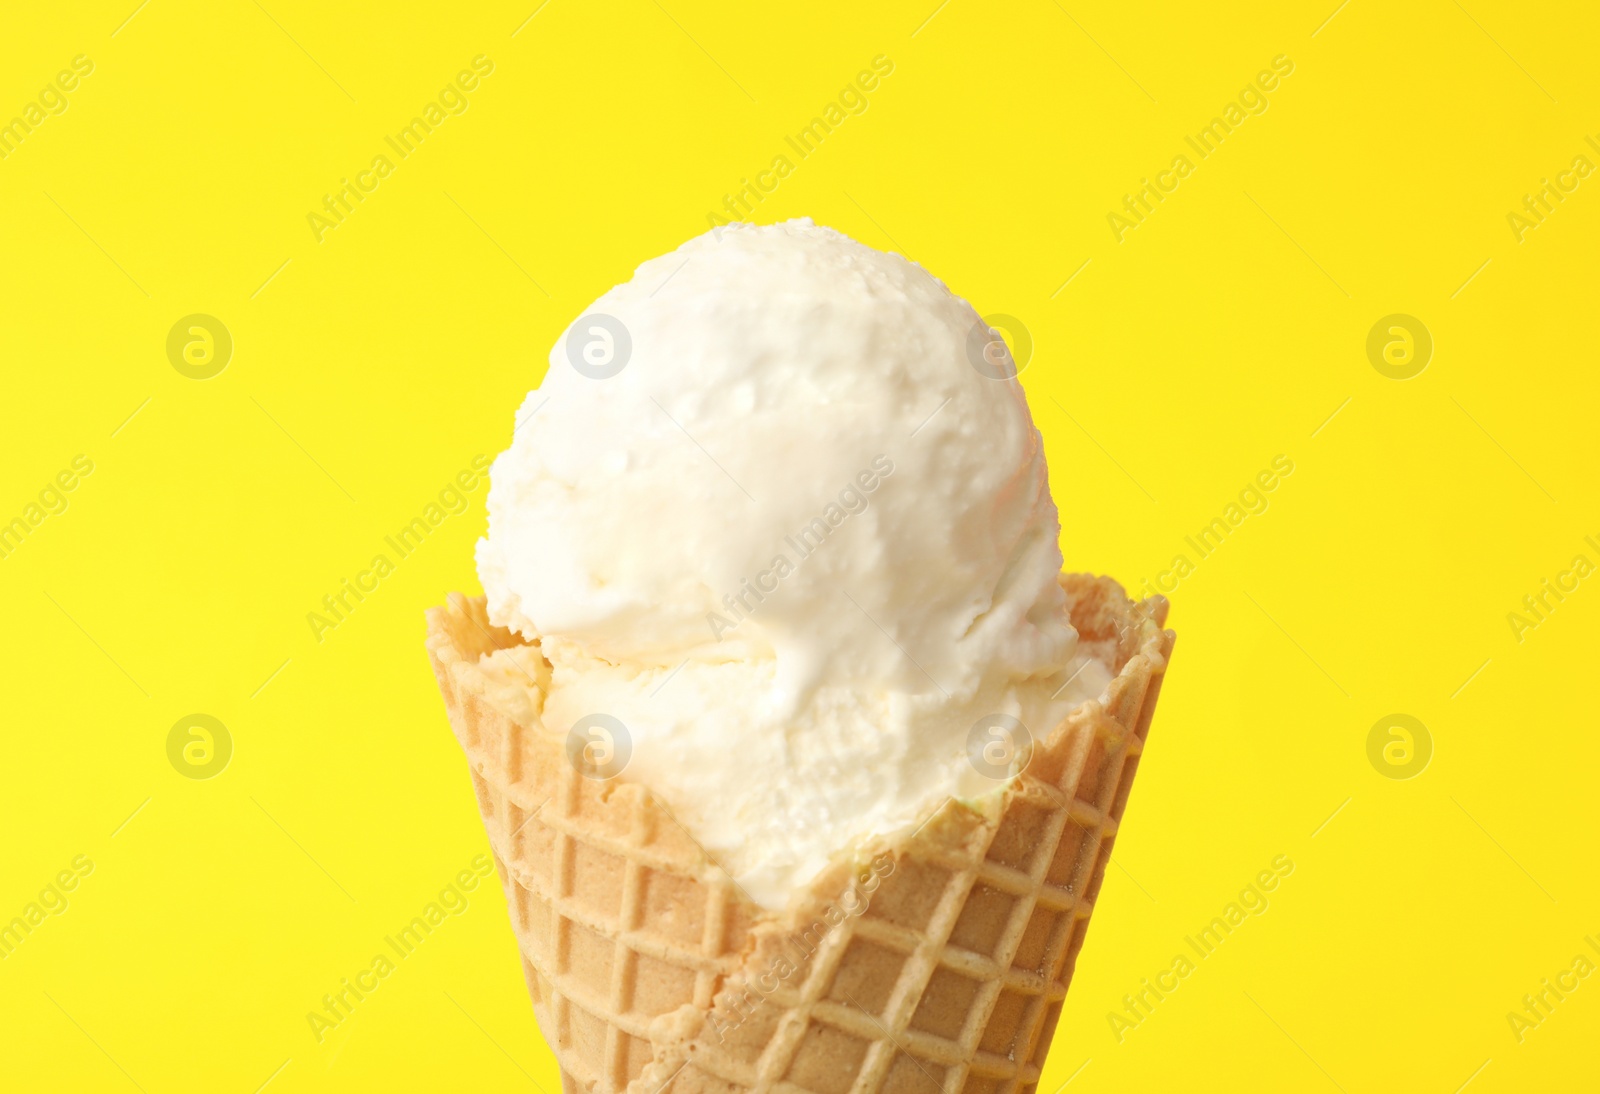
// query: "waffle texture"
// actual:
[[928, 962]]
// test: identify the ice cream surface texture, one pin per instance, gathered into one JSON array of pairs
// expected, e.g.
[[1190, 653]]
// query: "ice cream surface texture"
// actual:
[[772, 512]]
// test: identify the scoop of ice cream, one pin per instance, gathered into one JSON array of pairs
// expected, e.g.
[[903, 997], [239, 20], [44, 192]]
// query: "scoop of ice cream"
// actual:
[[769, 514]]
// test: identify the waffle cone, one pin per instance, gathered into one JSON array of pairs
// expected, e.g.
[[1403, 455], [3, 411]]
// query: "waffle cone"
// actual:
[[934, 961]]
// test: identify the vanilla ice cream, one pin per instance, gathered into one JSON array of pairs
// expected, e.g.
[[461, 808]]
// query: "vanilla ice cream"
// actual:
[[768, 514]]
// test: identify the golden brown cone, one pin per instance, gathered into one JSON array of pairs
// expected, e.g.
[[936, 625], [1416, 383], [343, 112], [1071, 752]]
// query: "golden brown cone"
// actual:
[[928, 961]]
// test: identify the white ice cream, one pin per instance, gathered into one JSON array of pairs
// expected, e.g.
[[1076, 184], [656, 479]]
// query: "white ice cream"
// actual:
[[797, 543]]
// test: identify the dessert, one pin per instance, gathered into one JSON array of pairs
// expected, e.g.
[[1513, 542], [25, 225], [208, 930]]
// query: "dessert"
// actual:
[[799, 757]]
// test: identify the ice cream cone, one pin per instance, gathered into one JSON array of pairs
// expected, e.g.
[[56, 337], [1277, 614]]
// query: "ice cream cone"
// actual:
[[934, 960]]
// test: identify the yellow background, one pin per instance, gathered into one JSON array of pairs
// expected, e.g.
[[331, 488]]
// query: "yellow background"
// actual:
[[1224, 331]]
